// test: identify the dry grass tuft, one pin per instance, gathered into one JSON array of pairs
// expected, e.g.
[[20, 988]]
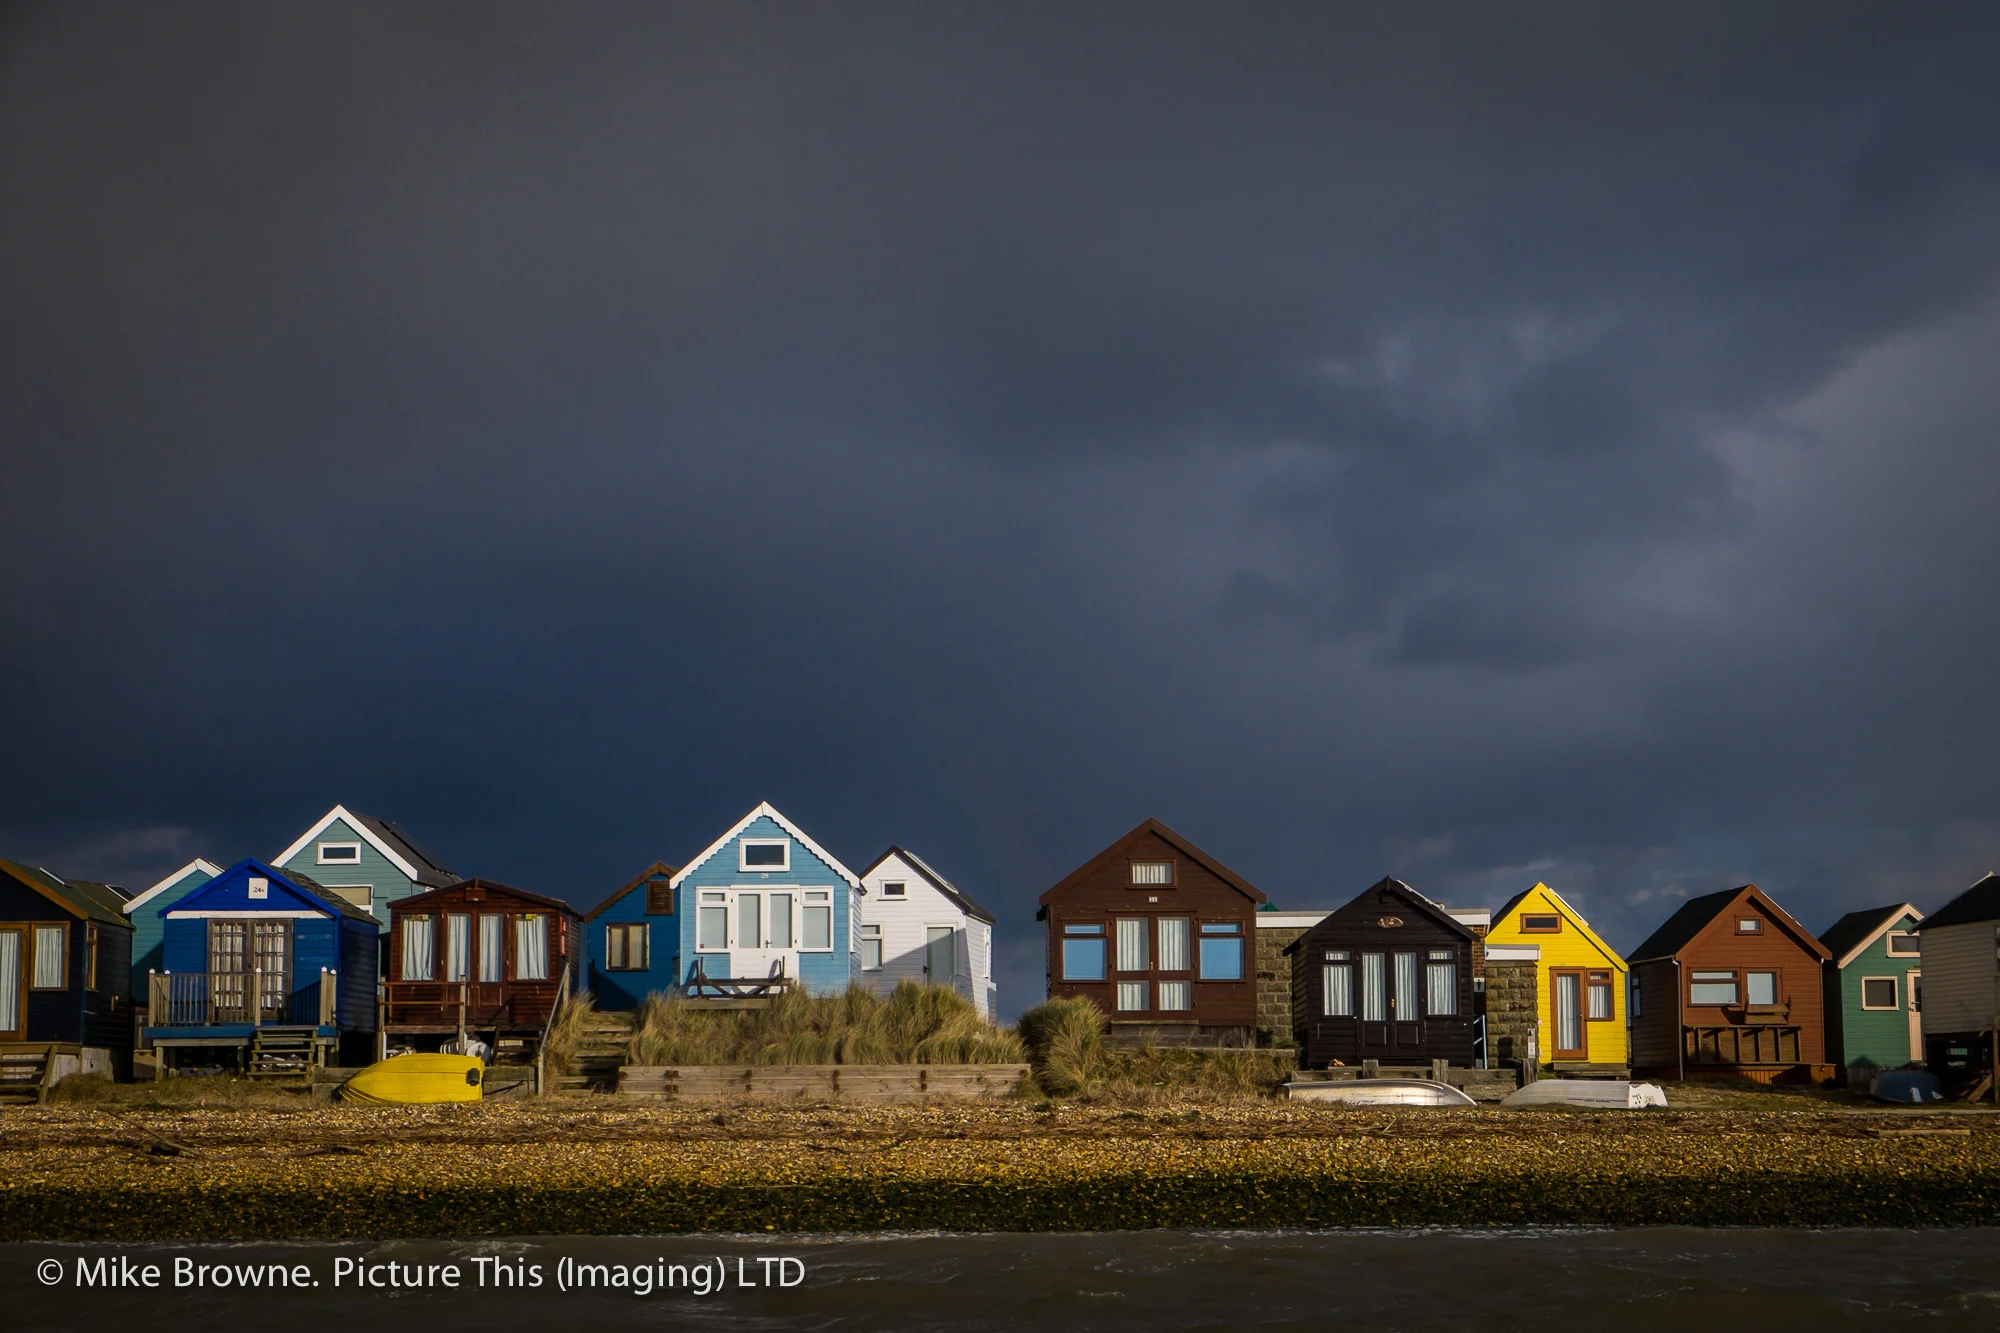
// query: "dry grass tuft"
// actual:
[[566, 1034], [1065, 1041], [915, 1025]]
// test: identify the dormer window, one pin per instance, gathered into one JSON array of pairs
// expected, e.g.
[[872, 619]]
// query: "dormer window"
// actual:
[[1902, 944], [895, 890], [1152, 872], [660, 896], [765, 854], [340, 854]]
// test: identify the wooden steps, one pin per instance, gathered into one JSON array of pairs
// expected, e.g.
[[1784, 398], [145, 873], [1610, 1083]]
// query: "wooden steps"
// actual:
[[282, 1053], [24, 1072], [606, 1039]]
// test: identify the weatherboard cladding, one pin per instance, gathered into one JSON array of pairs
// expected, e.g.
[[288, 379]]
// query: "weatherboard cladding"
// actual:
[[1857, 1036], [148, 928], [79, 1013], [818, 972], [385, 879], [929, 901], [625, 988], [1386, 919], [1572, 948]]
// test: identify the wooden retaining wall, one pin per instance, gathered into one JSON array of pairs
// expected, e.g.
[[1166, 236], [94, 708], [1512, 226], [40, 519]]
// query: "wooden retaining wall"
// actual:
[[869, 1083]]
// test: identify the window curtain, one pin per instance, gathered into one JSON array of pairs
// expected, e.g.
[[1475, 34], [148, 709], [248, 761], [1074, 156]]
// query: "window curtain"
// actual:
[[1176, 997], [458, 947], [1374, 999], [1441, 989], [1173, 944], [1337, 990], [10, 980], [531, 947], [492, 946], [1406, 988], [1569, 1012], [1132, 946], [417, 948], [48, 958], [1131, 995]]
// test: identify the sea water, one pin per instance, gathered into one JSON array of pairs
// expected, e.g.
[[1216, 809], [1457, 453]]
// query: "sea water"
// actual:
[[1621, 1280]]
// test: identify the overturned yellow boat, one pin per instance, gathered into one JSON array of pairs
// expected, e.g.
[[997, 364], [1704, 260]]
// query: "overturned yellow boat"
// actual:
[[418, 1079]]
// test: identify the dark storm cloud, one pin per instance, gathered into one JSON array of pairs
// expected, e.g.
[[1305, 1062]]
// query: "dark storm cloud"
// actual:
[[1474, 444]]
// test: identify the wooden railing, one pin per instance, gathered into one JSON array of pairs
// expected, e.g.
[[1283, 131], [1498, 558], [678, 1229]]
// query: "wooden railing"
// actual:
[[1742, 1044], [207, 999], [542, 1043]]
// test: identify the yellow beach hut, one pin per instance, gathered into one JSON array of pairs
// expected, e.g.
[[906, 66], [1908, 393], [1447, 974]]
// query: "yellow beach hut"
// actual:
[[1580, 993]]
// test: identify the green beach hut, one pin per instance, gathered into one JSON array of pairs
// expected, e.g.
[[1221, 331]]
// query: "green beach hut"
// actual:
[[1873, 1001]]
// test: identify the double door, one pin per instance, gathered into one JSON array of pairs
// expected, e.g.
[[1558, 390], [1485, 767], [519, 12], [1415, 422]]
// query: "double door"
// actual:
[[763, 932], [1392, 1006], [249, 970]]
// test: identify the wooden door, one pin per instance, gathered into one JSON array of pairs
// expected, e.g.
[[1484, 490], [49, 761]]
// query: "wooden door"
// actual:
[[13, 983], [1375, 1010], [1914, 1002], [940, 955], [228, 972], [1407, 1001], [1566, 1041], [271, 955]]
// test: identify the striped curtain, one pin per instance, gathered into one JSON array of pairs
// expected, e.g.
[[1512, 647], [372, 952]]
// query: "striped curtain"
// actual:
[[1441, 990], [492, 946], [1132, 945], [1173, 945], [458, 947], [417, 948], [531, 947]]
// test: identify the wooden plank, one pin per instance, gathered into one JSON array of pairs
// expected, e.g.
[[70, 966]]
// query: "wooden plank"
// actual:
[[857, 1082]]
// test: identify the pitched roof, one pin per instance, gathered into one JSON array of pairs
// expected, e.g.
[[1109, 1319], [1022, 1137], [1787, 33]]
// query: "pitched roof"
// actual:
[[1857, 930], [1981, 902], [1192, 852], [1678, 930], [1563, 906], [658, 868], [416, 899], [204, 866], [388, 838], [86, 901], [956, 896], [303, 885], [1421, 902], [765, 810]]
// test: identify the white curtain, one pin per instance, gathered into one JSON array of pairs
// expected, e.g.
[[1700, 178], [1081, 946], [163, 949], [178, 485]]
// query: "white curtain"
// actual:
[[1131, 995], [417, 948], [1175, 997], [1374, 1000], [1173, 945], [1337, 990], [1132, 946], [10, 980], [458, 947], [1406, 988], [492, 946], [49, 941], [1441, 990], [531, 947], [1569, 1012]]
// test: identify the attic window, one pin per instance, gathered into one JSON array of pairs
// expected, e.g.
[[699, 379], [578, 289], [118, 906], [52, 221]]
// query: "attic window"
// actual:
[[1749, 925], [340, 853], [1902, 944], [659, 896], [764, 854], [1152, 872], [895, 890], [1541, 923]]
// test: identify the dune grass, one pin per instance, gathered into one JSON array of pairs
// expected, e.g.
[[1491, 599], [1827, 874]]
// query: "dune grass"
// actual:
[[915, 1025], [1072, 1058]]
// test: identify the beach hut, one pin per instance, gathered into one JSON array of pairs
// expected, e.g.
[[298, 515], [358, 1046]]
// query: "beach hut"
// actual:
[[916, 925], [765, 909], [1386, 977], [478, 959], [148, 930], [365, 861], [265, 966], [1580, 983], [65, 987], [1160, 936], [1730, 984], [1959, 947], [1873, 1018], [632, 941]]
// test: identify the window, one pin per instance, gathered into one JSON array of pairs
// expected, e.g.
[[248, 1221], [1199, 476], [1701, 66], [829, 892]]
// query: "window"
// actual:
[[1374, 988], [357, 895], [531, 947], [418, 948], [764, 854], [1599, 1005], [627, 947], [1749, 925], [817, 922], [1902, 944], [1632, 1005], [1441, 984], [492, 947], [1404, 1002], [1878, 993], [1712, 988], [871, 948], [1221, 951], [779, 922], [749, 921], [1153, 872], [895, 890], [1541, 923], [51, 943], [1761, 987], [1083, 953], [1176, 996], [711, 921], [1131, 995], [340, 854], [660, 896], [1132, 934], [457, 947], [1173, 946], [1336, 984], [90, 956]]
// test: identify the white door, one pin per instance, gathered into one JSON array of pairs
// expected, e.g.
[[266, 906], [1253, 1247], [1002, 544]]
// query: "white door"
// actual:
[[13, 1013], [941, 954], [1914, 1002], [763, 932]]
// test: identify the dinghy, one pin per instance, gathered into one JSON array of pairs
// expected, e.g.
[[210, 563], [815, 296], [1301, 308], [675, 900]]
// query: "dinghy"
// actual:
[[1907, 1086], [1378, 1092], [416, 1080], [1590, 1093]]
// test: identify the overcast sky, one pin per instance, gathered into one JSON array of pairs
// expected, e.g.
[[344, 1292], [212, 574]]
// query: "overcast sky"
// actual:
[[1478, 444]]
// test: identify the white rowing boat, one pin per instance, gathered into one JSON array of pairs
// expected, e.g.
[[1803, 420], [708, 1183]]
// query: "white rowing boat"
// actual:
[[1378, 1092], [1591, 1093]]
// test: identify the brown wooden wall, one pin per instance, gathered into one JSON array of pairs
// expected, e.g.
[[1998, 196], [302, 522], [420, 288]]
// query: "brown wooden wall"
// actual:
[[1107, 893], [508, 1004], [1386, 922], [1657, 1032]]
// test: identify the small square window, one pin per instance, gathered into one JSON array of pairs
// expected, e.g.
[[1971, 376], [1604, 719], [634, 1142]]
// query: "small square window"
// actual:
[[340, 853], [1878, 993], [895, 890], [660, 897], [1541, 923], [764, 854], [1152, 872], [1749, 925], [1761, 987]]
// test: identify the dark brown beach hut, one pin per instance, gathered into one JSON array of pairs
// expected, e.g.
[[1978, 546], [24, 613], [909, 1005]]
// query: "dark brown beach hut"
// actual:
[[1160, 936], [1387, 977], [480, 959]]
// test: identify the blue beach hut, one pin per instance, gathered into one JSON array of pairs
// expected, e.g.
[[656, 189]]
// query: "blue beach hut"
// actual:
[[765, 908], [634, 940]]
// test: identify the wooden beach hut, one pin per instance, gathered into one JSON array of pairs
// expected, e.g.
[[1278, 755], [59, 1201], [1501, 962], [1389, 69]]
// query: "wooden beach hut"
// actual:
[[148, 930], [1386, 977], [1159, 935], [1960, 958], [65, 986], [266, 966], [632, 941], [1581, 983], [916, 925], [1873, 1016], [1730, 984], [478, 959]]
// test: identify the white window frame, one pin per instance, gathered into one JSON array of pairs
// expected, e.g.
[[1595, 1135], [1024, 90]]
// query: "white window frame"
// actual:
[[1909, 937], [1896, 991], [346, 893], [743, 846], [896, 889], [871, 933], [806, 898], [1165, 882], [320, 858]]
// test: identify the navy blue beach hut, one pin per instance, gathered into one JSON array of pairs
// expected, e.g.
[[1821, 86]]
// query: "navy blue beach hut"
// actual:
[[634, 941], [268, 965]]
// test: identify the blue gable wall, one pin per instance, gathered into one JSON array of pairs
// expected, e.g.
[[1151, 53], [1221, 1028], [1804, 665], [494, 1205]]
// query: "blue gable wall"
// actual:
[[820, 973], [148, 937], [623, 990], [375, 870]]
